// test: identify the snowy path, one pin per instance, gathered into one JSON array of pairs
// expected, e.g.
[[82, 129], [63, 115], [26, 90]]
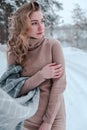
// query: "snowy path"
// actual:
[[76, 91]]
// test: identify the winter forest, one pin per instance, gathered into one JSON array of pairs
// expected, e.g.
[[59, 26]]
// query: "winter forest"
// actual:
[[73, 37], [73, 34]]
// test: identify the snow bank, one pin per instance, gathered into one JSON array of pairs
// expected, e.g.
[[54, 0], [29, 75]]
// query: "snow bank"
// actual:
[[76, 92]]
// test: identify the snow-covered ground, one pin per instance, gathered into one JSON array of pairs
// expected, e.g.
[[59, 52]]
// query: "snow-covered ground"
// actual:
[[76, 91]]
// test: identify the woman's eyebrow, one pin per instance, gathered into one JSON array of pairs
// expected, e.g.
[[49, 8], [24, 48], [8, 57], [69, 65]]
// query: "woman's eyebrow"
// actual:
[[34, 20]]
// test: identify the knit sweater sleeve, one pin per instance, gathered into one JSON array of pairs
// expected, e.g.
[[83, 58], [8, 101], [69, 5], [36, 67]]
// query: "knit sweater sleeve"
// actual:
[[58, 86], [32, 82]]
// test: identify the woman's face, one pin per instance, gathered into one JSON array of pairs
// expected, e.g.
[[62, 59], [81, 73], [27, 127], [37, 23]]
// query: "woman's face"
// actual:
[[37, 25]]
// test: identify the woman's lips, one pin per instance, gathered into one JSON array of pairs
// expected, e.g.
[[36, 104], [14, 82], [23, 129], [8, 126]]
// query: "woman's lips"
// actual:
[[39, 33]]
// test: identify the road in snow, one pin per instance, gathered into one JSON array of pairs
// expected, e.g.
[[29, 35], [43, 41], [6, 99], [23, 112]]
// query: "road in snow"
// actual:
[[76, 91]]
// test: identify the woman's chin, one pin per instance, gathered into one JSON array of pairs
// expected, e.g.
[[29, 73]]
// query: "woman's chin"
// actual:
[[40, 36], [37, 36]]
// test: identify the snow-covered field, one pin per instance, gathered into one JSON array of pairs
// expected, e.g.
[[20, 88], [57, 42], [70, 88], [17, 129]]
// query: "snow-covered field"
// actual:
[[76, 91]]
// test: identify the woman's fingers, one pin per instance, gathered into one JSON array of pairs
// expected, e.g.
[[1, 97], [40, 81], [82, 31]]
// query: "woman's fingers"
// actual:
[[58, 72], [56, 66], [52, 64], [52, 70], [58, 75]]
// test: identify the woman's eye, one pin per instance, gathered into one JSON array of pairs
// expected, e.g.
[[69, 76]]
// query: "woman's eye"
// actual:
[[34, 23]]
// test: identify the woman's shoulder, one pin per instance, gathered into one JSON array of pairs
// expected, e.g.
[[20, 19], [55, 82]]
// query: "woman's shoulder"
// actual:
[[54, 44], [52, 41], [11, 57]]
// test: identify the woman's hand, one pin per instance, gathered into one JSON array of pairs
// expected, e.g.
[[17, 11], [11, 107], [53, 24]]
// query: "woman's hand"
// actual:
[[45, 126], [52, 70]]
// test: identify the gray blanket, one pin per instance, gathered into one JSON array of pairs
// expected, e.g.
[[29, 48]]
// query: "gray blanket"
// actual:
[[13, 110]]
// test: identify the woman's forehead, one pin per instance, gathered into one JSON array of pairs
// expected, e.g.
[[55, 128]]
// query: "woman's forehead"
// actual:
[[36, 15]]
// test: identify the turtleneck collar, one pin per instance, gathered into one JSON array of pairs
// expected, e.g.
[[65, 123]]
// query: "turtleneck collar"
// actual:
[[34, 42]]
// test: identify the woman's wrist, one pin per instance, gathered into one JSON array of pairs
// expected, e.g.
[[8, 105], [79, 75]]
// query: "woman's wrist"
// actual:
[[42, 74]]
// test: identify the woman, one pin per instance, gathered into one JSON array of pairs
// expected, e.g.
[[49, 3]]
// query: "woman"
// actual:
[[43, 61]]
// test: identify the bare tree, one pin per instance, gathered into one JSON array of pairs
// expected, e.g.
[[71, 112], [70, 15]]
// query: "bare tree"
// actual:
[[49, 7], [79, 21]]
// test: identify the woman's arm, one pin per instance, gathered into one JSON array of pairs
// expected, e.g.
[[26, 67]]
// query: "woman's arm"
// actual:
[[31, 82], [58, 86], [49, 71]]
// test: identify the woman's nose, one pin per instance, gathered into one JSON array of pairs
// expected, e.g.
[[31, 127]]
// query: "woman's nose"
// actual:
[[40, 26]]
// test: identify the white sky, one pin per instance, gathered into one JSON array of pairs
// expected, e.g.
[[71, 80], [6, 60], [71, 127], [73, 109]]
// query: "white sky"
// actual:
[[68, 6]]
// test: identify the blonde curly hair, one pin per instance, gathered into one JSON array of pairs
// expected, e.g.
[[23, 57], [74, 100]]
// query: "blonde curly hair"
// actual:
[[19, 24]]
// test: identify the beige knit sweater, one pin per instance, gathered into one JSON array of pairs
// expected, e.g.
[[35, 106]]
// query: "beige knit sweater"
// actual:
[[42, 52]]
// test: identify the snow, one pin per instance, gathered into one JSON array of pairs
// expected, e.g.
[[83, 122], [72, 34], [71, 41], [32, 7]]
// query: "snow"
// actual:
[[76, 92], [12, 2], [3, 63]]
